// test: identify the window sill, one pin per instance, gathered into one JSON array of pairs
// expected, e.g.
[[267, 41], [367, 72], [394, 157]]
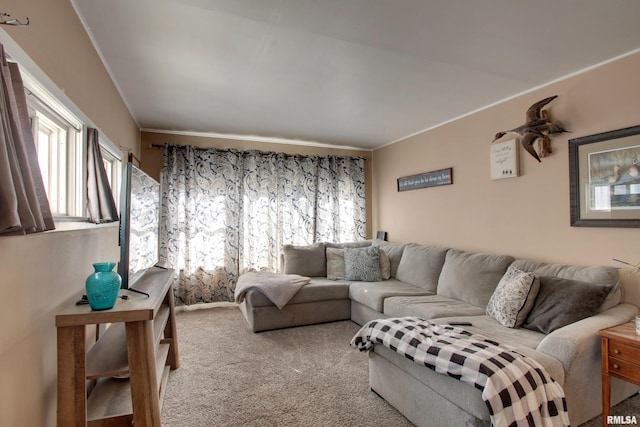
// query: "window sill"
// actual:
[[71, 224]]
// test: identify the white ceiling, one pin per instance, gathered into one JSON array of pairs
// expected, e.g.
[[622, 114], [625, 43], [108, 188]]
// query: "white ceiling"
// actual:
[[359, 73]]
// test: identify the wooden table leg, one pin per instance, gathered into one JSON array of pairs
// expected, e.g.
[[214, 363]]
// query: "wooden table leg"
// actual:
[[170, 332], [142, 374], [606, 390], [606, 382], [72, 389]]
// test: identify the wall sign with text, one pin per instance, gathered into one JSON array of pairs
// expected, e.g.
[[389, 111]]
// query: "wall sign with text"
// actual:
[[425, 180], [504, 159]]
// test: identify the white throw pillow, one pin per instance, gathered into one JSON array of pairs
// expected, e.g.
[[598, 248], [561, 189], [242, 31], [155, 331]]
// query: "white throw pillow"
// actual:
[[335, 264]]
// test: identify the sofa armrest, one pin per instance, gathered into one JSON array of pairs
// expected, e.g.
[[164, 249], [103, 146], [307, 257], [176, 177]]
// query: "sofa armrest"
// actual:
[[581, 338]]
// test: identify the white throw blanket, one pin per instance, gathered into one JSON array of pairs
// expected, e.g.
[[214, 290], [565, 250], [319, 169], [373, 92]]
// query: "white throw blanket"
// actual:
[[279, 288]]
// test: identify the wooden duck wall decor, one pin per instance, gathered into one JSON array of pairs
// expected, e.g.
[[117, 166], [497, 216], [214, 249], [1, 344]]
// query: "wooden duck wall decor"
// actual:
[[538, 127]]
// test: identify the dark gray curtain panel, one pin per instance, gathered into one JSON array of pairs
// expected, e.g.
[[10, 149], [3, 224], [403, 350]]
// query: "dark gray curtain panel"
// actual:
[[100, 204], [24, 207]]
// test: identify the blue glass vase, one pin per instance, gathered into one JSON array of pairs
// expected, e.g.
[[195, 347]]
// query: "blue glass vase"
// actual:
[[102, 286]]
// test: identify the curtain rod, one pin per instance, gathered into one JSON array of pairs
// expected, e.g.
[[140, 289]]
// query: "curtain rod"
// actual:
[[186, 145], [227, 150]]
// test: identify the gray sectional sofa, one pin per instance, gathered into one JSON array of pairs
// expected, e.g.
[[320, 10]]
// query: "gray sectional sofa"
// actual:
[[555, 320]]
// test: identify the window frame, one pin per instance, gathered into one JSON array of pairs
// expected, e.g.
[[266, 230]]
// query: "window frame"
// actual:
[[43, 107]]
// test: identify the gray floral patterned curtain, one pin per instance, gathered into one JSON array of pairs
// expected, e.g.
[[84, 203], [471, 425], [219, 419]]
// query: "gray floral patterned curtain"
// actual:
[[227, 211]]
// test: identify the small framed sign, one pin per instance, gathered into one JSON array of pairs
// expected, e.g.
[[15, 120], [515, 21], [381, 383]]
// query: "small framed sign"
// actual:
[[504, 159], [425, 180]]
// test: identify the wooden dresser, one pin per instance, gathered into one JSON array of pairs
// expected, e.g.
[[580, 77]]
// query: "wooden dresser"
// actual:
[[620, 359]]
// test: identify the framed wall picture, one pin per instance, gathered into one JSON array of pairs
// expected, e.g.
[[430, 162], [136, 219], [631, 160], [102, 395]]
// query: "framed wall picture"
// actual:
[[604, 173], [505, 160]]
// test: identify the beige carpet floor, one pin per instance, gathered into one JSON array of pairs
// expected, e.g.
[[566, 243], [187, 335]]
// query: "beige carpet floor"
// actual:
[[306, 376]]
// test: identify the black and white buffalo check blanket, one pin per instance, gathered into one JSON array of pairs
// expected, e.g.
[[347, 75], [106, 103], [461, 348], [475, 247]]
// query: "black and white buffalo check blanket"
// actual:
[[516, 389]]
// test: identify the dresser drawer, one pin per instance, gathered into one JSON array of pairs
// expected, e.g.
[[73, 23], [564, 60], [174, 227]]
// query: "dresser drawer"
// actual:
[[624, 352], [625, 369]]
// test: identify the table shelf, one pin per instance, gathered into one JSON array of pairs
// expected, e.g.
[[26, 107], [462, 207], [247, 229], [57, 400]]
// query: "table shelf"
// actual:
[[130, 362]]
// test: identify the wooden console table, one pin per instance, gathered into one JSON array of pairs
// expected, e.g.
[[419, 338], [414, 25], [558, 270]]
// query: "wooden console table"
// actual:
[[140, 344], [620, 359]]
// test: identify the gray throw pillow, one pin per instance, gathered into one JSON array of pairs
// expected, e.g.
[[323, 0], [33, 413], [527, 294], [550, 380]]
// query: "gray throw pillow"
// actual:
[[335, 264], [508, 304], [528, 304], [308, 261], [362, 264], [561, 302]]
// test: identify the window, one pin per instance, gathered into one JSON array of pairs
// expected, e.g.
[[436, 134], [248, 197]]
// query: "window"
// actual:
[[59, 138], [112, 160], [58, 144]]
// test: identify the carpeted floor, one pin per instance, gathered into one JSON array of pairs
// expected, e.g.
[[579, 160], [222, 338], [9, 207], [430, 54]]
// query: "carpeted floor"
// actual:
[[308, 376]]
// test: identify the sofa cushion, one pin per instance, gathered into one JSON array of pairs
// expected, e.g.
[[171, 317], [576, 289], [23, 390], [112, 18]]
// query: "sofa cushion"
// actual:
[[421, 265], [471, 277], [462, 395], [429, 307], [356, 244], [373, 294], [561, 302], [393, 250], [318, 289], [591, 274], [362, 264], [491, 328], [335, 264], [513, 298], [309, 261]]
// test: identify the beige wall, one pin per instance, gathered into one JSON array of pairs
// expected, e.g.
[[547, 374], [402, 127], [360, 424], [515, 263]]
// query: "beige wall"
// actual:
[[527, 216], [151, 158], [43, 273]]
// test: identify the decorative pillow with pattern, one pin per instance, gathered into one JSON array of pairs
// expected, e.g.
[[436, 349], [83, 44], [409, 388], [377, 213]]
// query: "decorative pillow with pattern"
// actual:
[[335, 264], [508, 304], [362, 264]]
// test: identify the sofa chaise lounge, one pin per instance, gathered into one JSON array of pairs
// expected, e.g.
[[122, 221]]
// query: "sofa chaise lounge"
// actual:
[[554, 319]]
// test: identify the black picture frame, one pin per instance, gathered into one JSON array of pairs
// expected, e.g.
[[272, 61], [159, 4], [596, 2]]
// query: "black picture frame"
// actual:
[[604, 179]]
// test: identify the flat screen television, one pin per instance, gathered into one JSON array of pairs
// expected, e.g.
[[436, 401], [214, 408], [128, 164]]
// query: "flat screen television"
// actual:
[[139, 224]]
